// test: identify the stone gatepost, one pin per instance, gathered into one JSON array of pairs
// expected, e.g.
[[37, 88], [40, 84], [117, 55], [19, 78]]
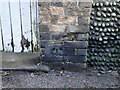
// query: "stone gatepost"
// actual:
[[64, 28]]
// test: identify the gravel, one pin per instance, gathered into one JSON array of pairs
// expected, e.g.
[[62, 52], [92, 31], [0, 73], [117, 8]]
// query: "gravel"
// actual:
[[60, 79]]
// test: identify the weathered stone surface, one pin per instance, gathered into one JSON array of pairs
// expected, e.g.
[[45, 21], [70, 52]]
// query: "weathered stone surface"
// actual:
[[47, 43], [46, 19], [75, 59], [43, 28], [49, 58], [76, 11], [67, 66], [57, 4], [45, 36], [76, 44], [52, 10], [57, 28], [69, 51], [82, 52], [67, 23], [57, 35], [65, 20], [57, 10], [72, 11], [44, 4], [85, 4], [55, 19], [70, 4], [51, 51], [44, 11], [82, 37], [83, 20], [76, 28]]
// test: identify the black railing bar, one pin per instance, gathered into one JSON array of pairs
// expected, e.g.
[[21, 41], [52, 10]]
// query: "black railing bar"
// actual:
[[31, 26], [1, 33], [20, 19], [12, 41]]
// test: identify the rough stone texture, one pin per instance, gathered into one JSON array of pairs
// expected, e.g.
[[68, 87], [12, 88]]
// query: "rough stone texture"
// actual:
[[57, 28], [82, 37], [82, 52], [76, 44], [75, 59], [85, 4], [64, 28], [76, 11], [43, 28]]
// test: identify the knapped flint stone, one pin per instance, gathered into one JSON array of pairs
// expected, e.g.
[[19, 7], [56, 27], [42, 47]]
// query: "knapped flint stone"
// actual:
[[98, 14], [109, 9], [104, 9], [113, 14], [82, 52], [75, 59], [76, 44]]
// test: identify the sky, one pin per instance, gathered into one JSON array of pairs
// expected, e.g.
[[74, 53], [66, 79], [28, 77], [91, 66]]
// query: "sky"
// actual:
[[15, 15]]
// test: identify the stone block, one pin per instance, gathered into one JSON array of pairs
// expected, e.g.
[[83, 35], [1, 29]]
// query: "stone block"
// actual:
[[52, 53], [44, 4], [57, 10], [75, 59], [48, 43], [44, 11], [69, 51], [85, 4], [73, 11], [46, 19], [83, 20], [67, 66], [76, 28], [43, 28], [70, 4], [45, 36], [76, 44], [48, 58], [64, 20], [57, 35], [52, 10], [82, 52], [82, 37], [57, 28], [57, 4]]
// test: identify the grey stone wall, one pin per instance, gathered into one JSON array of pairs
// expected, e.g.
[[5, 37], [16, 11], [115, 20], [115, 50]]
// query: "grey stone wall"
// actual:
[[64, 28]]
